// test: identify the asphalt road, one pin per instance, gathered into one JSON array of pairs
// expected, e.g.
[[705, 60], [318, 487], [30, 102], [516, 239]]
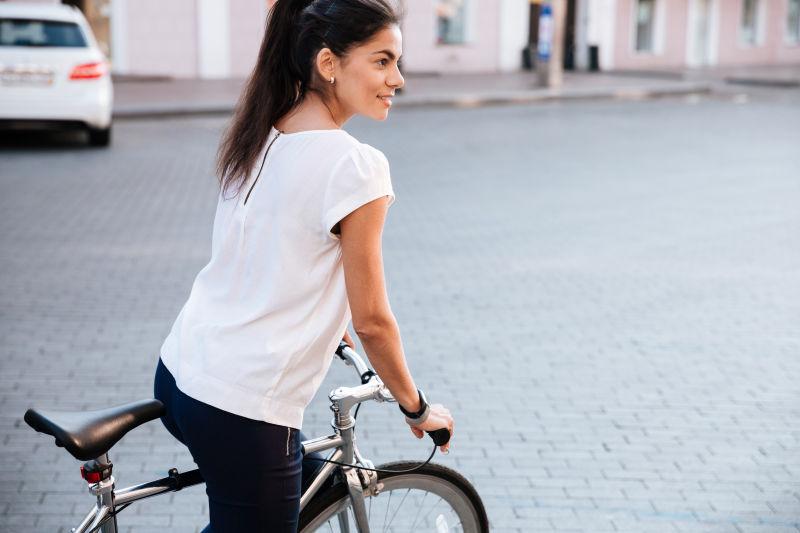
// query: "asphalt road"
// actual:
[[606, 294]]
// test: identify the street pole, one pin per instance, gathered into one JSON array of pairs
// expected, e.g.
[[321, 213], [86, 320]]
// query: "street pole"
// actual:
[[550, 50]]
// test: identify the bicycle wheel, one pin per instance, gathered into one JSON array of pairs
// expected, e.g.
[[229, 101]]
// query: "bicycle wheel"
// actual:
[[433, 498]]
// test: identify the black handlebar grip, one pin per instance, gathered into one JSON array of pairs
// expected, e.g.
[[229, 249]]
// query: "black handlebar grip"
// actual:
[[440, 436]]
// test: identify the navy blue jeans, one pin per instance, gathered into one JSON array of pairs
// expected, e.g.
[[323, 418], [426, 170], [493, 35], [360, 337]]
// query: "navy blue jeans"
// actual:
[[254, 470]]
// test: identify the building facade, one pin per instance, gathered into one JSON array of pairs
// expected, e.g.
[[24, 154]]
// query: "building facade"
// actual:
[[646, 34], [186, 38], [220, 38], [446, 36]]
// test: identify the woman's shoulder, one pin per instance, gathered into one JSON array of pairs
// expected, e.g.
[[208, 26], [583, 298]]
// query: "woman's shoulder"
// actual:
[[349, 150], [338, 149], [366, 158]]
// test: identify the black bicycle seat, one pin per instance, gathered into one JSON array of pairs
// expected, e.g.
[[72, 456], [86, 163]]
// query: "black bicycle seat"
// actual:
[[89, 434]]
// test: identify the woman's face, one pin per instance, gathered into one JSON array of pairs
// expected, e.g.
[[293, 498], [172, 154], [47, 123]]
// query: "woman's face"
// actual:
[[365, 80]]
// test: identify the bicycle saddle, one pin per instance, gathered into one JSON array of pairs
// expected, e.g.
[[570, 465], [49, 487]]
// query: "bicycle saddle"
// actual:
[[89, 434]]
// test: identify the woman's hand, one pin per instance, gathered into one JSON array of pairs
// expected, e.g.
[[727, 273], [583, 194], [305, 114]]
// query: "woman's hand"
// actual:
[[438, 418]]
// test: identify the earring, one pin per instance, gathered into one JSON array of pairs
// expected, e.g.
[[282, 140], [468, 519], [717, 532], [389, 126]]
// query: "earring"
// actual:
[[332, 80]]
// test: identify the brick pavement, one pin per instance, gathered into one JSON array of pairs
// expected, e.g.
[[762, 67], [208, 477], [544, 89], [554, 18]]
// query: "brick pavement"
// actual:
[[605, 294]]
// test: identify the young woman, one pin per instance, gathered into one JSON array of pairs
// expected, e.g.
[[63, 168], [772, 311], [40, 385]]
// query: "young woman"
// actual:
[[296, 253]]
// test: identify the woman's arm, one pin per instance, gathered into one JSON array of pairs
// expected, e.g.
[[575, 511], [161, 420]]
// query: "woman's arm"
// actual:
[[375, 325], [373, 320]]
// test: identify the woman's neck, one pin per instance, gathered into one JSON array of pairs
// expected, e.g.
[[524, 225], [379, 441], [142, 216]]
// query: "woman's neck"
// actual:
[[312, 113]]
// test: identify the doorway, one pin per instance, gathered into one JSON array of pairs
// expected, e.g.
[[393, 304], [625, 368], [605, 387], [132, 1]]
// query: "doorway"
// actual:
[[569, 36], [529, 54]]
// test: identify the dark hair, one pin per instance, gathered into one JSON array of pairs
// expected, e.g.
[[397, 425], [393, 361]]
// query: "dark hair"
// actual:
[[296, 31]]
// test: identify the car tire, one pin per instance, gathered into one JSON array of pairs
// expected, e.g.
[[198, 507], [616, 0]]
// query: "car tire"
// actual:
[[100, 137]]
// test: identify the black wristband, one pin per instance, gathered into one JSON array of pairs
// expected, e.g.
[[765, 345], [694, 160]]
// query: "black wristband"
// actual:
[[423, 405]]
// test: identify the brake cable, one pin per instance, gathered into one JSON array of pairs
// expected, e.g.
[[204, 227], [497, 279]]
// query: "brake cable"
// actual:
[[110, 515]]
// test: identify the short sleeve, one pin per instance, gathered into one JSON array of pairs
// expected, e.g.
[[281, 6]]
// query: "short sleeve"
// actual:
[[360, 177]]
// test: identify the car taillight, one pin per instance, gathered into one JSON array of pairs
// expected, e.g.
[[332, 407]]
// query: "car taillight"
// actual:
[[88, 71]]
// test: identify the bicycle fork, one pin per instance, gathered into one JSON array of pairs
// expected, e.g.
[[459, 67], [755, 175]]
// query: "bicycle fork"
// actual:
[[360, 483], [356, 491]]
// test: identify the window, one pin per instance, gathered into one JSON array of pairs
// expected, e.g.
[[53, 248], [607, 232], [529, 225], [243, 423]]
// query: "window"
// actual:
[[749, 29], [793, 22], [27, 32], [451, 21], [645, 22]]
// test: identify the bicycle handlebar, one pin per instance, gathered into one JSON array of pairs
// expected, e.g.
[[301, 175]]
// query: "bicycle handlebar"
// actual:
[[352, 358]]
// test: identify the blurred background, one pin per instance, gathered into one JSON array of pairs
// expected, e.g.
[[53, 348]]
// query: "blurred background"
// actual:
[[220, 38], [594, 256]]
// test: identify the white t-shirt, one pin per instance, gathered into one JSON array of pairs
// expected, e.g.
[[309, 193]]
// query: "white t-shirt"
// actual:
[[266, 314]]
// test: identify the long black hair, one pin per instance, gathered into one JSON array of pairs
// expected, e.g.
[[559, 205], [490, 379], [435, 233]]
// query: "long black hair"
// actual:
[[284, 73]]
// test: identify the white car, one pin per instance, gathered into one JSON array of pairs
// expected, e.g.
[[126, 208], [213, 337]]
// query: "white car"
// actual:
[[52, 73]]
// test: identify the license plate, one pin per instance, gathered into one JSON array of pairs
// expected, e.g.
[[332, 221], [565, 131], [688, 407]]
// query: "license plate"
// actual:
[[20, 77]]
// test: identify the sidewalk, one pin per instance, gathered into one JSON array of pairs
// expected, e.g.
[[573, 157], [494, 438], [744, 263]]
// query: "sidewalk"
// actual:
[[148, 97], [778, 77]]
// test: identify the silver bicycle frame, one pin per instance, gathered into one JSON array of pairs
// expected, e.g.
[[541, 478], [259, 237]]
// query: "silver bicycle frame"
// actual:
[[360, 483]]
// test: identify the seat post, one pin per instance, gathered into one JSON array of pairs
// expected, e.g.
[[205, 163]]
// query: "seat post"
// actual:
[[104, 491]]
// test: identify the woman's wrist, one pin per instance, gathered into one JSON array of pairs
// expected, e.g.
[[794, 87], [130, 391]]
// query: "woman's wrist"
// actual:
[[410, 402], [416, 411]]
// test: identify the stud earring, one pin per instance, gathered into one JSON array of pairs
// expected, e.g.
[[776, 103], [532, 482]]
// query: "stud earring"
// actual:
[[332, 80]]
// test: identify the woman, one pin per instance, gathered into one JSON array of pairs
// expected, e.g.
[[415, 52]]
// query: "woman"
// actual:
[[296, 253]]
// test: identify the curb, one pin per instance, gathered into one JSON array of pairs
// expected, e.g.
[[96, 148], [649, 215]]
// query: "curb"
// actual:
[[765, 82], [549, 96], [170, 110], [459, 101]]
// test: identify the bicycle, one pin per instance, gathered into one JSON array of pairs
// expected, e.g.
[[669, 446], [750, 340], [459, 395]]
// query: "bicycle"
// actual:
[[348, 488]]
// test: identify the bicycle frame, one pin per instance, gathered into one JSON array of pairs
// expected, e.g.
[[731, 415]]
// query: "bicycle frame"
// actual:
[[342, 443]]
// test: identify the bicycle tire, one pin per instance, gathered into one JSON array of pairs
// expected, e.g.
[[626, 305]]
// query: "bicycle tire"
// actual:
[[329, 503]]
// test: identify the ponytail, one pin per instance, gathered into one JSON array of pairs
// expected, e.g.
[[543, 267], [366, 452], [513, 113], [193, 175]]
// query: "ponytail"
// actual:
[[296, 31], [271, 91]]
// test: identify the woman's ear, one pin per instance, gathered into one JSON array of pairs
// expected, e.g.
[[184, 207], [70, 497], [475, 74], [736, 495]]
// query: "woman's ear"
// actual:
[[326, 63]]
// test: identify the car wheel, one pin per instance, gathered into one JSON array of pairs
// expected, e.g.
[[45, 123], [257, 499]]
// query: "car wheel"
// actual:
[[100, 137]]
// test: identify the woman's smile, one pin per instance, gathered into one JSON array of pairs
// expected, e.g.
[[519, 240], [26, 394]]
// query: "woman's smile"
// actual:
[[386, 99]]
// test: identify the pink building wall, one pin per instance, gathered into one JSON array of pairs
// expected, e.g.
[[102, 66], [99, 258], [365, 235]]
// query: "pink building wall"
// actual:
[[247, 21], [772, 48], [670, 36], [672, 26], [422, 53], [162, 38]]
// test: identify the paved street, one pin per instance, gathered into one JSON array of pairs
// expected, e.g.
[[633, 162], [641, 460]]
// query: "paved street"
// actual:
[[606, 294]]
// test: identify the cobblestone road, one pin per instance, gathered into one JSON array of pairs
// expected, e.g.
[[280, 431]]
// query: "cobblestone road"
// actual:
[[606, 294]]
